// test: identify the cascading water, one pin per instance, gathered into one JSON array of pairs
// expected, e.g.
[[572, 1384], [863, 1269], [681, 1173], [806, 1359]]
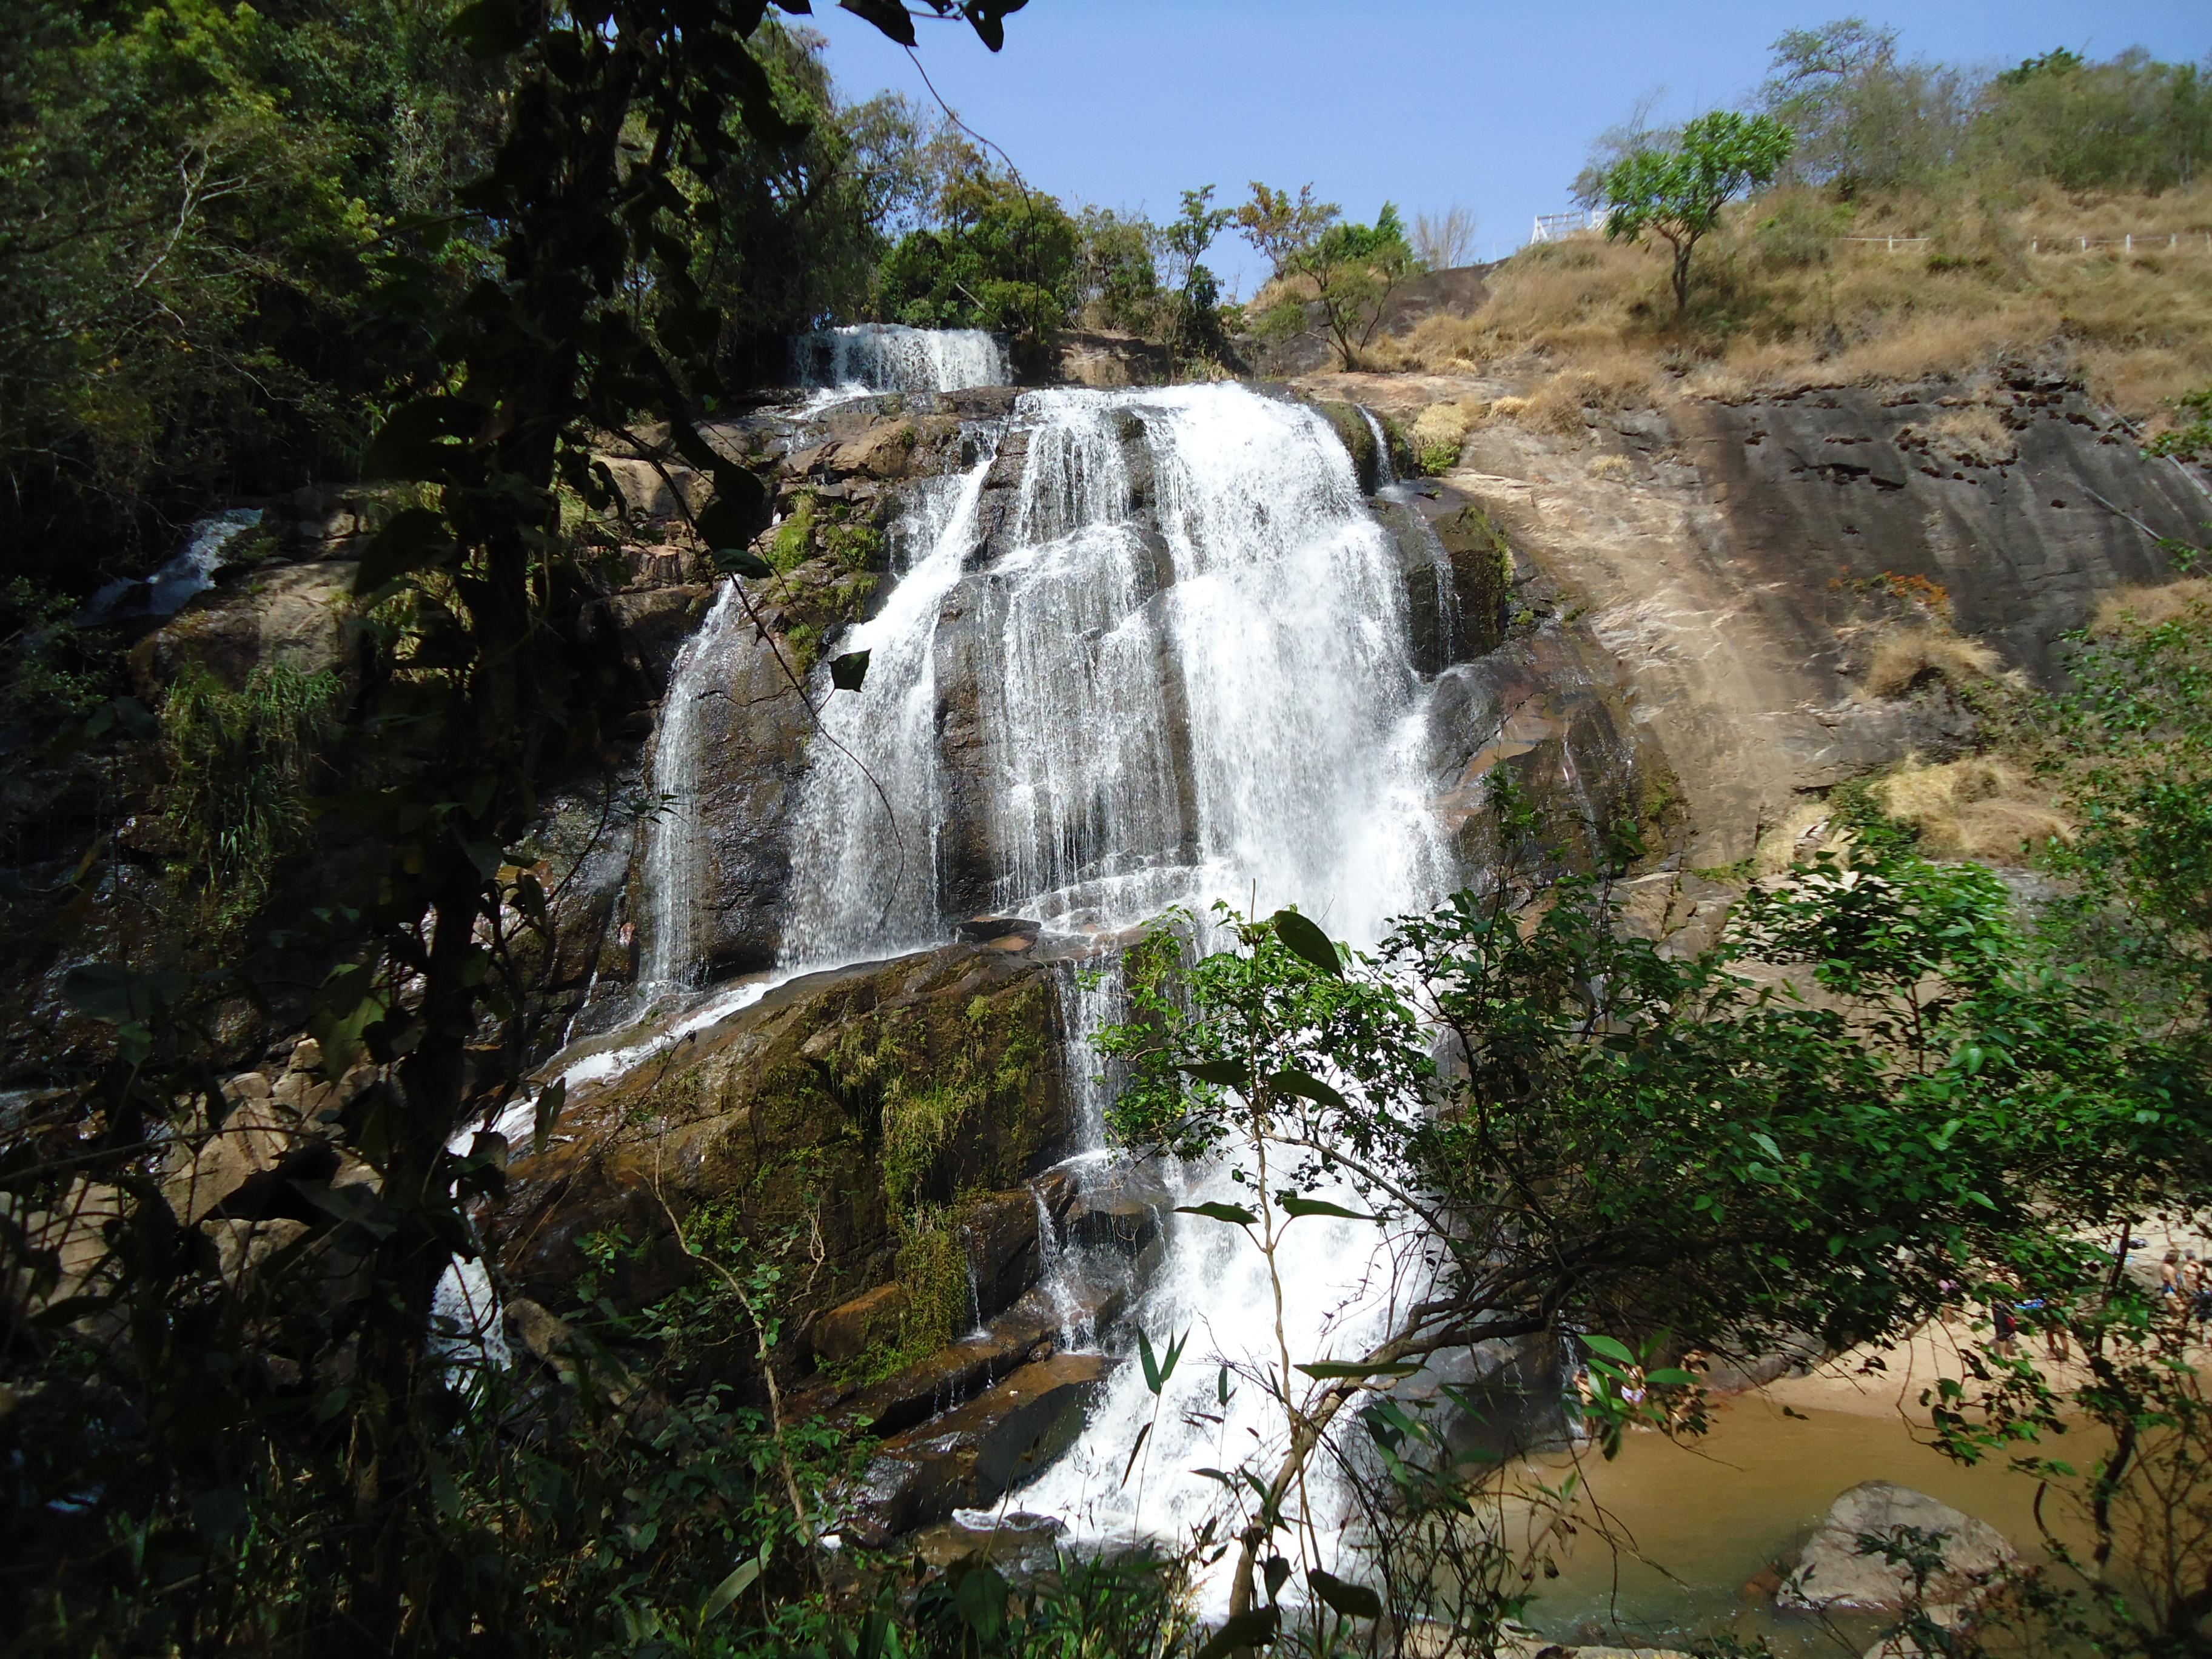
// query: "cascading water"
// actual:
[[1179, 701], [190, 570], [891, 357], [673, 847], [1175, 670]]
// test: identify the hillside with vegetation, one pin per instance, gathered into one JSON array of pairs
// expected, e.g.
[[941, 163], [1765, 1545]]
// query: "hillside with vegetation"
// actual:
[[414, 532]]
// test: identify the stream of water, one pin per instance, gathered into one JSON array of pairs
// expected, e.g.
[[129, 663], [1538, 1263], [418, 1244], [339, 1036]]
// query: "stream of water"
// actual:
[[868, 357]]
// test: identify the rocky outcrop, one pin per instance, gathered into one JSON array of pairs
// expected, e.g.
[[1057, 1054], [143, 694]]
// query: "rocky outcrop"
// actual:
[[1835, 1571], [972, 1456], [1106, 359], [854, 1111], [1742, 564]]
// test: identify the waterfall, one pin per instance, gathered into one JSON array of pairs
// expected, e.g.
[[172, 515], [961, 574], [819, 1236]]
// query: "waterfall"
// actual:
[[1170, 665], [891, 357], [673, 849], [1385, 471], [1177, 666], [188, 572], [862, 836]]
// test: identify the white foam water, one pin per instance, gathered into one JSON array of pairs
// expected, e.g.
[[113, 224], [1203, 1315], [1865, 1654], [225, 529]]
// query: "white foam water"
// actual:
[[867, 357], [188, 572]]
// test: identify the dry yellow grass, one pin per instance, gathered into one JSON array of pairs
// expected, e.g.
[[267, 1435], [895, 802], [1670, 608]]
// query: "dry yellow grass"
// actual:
[[1902, 659], [2146, 607], [1806, 829], [1971, 435], [1438, 431], [1615, 469], [1984, 808], [2135, 327], [1560, 403]]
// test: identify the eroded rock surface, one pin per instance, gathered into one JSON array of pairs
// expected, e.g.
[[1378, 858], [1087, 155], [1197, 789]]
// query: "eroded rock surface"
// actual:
[[1831, 1571]]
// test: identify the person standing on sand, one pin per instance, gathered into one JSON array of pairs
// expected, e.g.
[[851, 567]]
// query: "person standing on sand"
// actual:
[[2006, 1323], [2169, 1274]]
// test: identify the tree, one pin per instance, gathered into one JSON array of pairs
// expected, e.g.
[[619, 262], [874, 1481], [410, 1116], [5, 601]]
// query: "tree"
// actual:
[[1183, 242], [1348, 269], [1282, 226], [1859, 118], [1117, 279], [1677, 194], [1001, 256], [1445, 240], [577, 313]]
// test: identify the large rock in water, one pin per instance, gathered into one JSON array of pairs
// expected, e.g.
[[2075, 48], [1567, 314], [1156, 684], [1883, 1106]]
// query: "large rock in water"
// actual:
[[825, 1111], [1831, 1572]]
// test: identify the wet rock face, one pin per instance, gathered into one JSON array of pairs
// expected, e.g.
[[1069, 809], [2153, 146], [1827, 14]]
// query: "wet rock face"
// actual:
[[974, 1454], [1744, 562], [775, 1123]]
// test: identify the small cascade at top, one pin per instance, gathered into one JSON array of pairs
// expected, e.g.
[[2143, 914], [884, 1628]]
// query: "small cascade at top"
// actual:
[[865, 357], [190, 571]]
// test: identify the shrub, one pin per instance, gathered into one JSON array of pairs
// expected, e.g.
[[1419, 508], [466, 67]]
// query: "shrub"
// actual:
[[1438, 433], [239, 763]]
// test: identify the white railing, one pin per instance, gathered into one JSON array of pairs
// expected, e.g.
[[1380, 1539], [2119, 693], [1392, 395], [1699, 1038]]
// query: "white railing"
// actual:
[[2176, 239], [1555, 227]]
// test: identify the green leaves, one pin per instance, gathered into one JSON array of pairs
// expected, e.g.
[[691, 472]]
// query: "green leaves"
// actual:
[[742, 562], [1293, 1203], [1255, 1628], [547, 1113], [1237, 1215], [118, 996], [1157, 1371], [489, 28], [408, 540], [849, 671], [1306, 941], [421, 438], [1227, 1073], [1334, 1371], [1352, 1601], [1306, 1086], [739, 509], [740, 1579]]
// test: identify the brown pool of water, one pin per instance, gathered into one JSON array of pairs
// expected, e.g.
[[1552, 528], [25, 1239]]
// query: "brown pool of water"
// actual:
[[1676, 1538]]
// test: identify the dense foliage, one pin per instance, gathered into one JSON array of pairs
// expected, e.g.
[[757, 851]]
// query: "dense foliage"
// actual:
[[1866, 118], [191, 199], [1622, 1140]]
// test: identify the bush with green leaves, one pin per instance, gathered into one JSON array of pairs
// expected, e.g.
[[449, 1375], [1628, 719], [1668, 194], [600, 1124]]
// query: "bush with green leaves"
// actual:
[[1001, 256], [2134, 738], [1594, 1134], [239, 767]]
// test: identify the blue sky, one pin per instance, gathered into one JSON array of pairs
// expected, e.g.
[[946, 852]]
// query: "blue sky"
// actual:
[[1425, 102]]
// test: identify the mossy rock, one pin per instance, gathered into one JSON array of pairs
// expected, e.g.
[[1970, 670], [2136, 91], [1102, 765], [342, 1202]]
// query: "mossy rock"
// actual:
[[849, 1113]]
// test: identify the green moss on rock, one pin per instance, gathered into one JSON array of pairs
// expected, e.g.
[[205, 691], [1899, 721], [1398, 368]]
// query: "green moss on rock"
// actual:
[[834, 1126]]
